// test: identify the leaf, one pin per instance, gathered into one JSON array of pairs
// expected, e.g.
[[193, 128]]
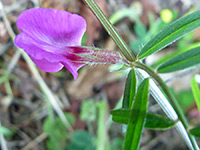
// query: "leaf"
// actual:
[[140, 29], [81, 140], [5, 131], [137, 117], [130, 88], [153, 121], [195, 131], [120, 14], [88, 113], [57, 132], [195, 91], [176, 53], [120, 113], [182, 61], [185, 99], [171, 33]]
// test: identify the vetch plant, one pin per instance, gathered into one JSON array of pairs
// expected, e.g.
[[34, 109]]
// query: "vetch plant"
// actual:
[[52, 39]]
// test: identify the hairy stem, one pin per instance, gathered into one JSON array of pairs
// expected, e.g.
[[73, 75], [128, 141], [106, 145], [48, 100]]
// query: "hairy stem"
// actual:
[[111, 30], [172, 99]]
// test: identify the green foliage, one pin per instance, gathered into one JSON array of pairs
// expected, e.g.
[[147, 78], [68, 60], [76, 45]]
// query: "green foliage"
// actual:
[[117, 144], [185, 42], [182, 61], [185, 99], [130, 89], [143, 36], [183, 45], [5, 131], [153, 121], [57, 132], [116, 67], [140, 29], [81, 140], [137, 117], [195, 131], [159, 122], [101, 131], [167, 36], [171, 33], [120, 115], [196, 91], [84, 39], [133, 13], [117, 16], [88, 111], [141, 32]]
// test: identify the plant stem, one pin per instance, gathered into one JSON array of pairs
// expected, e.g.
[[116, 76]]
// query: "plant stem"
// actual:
[[171, 98], [129, 56], [111, 30], [102, 129]]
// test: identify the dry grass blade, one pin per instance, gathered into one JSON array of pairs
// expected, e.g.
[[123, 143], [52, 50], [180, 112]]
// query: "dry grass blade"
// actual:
[[35, 142]]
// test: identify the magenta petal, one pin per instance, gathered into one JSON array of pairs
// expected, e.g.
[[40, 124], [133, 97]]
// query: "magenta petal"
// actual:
[[47, 66], [45, 60], [47, 35], [54, 27], [73, 67], [38, 50]]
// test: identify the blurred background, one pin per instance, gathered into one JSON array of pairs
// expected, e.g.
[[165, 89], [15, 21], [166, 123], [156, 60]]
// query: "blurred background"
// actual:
[[51, 111]]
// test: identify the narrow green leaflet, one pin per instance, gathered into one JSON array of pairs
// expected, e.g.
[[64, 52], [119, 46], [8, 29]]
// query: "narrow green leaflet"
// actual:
[[120, 115], [195, 91], [195, 131], [129, 92], [167, 57], [80, 140], [182, 61], [137, 117], [171, 33], [153, 121]]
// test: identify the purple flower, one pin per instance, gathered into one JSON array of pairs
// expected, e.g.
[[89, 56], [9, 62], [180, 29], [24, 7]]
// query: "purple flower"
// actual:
[[50, 37]]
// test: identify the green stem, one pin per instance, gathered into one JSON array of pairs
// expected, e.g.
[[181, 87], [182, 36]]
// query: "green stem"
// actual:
[[102, 129], [111, 30], [172, 99], [130, 56]]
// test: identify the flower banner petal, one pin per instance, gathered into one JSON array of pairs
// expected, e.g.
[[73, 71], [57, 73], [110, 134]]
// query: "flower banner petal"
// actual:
[[55, 27]]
